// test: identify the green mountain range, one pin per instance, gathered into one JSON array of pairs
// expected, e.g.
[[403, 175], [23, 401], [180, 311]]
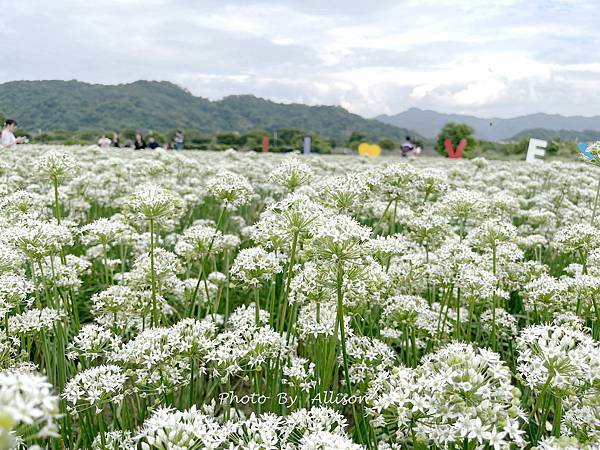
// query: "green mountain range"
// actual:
[[151, 105], [564, 135], [428, 123]]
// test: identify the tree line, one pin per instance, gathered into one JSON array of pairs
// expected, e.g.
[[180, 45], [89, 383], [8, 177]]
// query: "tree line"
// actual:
[[292, 139], [280, 141]]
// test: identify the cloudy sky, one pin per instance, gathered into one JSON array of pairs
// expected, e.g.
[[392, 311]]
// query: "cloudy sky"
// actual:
[[483, 57]]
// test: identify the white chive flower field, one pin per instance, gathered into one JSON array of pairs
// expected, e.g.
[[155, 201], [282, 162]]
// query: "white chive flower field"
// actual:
[[204, 300]]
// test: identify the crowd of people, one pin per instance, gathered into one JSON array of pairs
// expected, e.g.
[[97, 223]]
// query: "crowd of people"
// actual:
[[140, 144], [8, 140]]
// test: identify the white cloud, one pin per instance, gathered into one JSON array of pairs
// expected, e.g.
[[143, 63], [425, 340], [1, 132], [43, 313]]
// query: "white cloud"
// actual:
[[480, 93], [496, 57]]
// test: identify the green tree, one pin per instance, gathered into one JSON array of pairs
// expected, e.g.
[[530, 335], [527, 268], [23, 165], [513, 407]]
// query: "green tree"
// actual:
[[56, 136], [356, 138], [127, 134], [319, 144], [196, 140], [290, 137], [231, 139], [553, 147], [518, 148], [159, 137], [89, 136], [456, 132], [387, 144]]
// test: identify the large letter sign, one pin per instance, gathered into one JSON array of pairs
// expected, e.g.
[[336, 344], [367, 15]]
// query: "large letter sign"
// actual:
[[455, 154], [371, 150], [536, 148], [307, 145], [589, 155]]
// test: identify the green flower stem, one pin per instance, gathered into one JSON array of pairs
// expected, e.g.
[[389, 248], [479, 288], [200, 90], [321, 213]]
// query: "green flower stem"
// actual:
[[536, 406], [49, 298], [271, 303], [340, 320], [257, 389], [458, 330], [153, 276], [191, 398], [360, 424], [284, 301], [392, 229], [201, 273], [227, 281], [63, 259], [105, 261], [56, 202], [257, 307], [383, 215], [595, 203], [494, 346], [557, 416]]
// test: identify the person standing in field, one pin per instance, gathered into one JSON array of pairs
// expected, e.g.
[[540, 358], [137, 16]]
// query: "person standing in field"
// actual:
[[179, 140], [8, 139], [104, 142], [115, 142], [152, 144], [139, 143], [407, 147]]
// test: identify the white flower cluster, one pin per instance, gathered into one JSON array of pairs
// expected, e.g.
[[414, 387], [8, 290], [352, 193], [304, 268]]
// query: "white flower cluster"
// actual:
[[105, 232], [407, 313], [153, 202], [58, 166], [458, 394], [14, 290], [505, 323], [230, 188], [28, 407], [35, 321], [560, 357], [314, 429], [95, 387], [253, 266], [367, 358], [291, 173], [198, 241], [338, 237], [92, 342], [38, 239]]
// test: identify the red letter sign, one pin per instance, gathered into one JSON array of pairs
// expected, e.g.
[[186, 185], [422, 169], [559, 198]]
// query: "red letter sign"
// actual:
[[455, 154]]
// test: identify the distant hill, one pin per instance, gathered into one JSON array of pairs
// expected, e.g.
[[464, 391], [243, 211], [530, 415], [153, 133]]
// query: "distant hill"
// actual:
[[428, 123], [152, 105]]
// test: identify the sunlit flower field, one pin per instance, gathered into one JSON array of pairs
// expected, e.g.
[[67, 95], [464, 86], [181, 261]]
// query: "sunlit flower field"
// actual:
[[200, 300]]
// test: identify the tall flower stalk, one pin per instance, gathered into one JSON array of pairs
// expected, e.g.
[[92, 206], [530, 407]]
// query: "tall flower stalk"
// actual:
[[153, 203]]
